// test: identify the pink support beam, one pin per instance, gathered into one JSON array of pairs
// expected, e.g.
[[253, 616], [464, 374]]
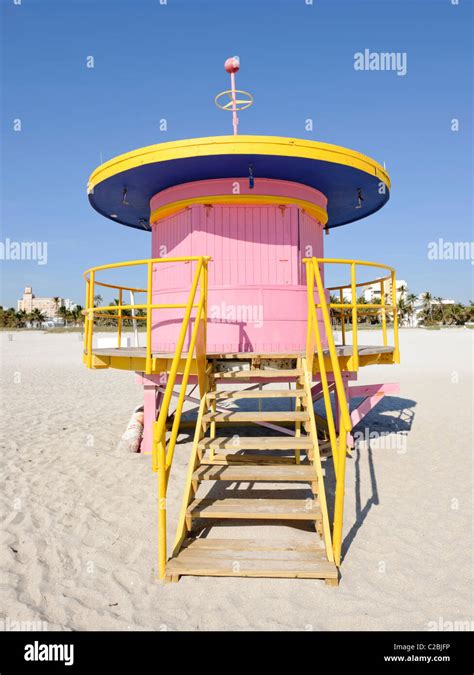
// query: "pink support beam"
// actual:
[[373, 394], [152, 398]]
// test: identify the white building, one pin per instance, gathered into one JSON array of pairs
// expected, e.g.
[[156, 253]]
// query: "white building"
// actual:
[[48, 306], [419, 305], [372, 293], [29, 302], [69, 304]]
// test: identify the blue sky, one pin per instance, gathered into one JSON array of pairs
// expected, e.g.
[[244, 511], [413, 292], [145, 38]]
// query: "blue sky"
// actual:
[[156, 61]]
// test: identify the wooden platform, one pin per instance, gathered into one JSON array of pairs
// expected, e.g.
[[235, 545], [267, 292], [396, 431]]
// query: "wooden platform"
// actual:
[[133, 358], [140, 352]]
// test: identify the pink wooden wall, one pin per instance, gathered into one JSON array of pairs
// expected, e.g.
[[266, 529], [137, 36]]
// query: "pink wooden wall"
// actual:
[[257, 288]]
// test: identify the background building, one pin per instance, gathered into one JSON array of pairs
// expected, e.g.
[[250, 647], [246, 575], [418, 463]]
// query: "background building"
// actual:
[[372, 292], [419, 307], [69, 304], [47, 306]]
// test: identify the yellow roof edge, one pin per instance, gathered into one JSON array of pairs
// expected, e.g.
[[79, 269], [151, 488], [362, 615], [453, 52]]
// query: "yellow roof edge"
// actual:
[[247, 144]]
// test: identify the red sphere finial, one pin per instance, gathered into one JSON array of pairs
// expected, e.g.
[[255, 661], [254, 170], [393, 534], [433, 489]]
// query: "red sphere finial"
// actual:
[[232, 64]]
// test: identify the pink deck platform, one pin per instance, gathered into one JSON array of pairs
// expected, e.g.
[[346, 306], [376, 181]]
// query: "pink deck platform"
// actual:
[[257, 296]]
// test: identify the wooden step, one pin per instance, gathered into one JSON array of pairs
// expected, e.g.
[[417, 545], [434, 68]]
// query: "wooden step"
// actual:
[[314, 545], [255, 393], [257, 443], [255, 509], [252, 558], [266, 373], [289, 473], [257, 416], [248, 458]]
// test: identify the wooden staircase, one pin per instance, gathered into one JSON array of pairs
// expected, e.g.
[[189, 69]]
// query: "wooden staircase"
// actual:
[[243, 483]]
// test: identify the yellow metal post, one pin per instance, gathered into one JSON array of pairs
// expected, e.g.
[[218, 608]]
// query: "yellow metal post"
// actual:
[[339, 495], [355, 346], [201, 339], [149, 301], [161, 502], [396, 351], [315, 459], [119, 326], [343, 317], [384, 314], [310, 337], [90, 318], [86, 317]]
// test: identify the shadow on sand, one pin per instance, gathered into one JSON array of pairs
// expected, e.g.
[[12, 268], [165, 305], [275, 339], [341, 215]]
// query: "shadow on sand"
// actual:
[[393, 415]]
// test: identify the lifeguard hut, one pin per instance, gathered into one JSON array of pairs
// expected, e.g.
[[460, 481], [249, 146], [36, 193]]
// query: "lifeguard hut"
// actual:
[[236, 301]]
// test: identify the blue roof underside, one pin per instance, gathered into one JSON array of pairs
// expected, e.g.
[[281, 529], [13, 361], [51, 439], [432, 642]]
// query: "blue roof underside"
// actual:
[[338, 182]]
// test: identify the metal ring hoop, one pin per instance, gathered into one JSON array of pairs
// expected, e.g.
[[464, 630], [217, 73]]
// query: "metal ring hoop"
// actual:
[[240, 104]]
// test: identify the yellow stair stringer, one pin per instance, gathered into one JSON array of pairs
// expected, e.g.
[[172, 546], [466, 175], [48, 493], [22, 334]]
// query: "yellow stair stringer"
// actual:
[[316, 460], [194, 461]]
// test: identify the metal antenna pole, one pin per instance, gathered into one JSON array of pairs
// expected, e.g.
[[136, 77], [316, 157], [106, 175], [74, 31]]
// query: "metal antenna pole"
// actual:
[[235, 117], [228, 100]]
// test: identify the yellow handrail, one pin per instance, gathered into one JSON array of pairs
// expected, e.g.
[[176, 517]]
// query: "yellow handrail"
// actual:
[[359, 309], [133, 263], [123, 288], [162, 454], [116, 311], [338, 448], [162, 451], [315, 343]]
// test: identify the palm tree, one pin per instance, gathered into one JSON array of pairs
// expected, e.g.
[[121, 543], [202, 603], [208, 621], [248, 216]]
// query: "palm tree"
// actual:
[[77, 315], [334, 313], [410, 307], [460, 313], [63, 313], [375, 315], [97, 300], [361, 301], [21, 318], [37, 317], [56, 301], [8, 317], [440, 306], [427, 304]]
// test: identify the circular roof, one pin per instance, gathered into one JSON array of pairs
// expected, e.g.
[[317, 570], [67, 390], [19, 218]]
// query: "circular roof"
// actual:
[[354, 184]]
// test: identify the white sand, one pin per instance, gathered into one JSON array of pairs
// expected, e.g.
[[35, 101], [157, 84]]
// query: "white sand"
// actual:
[[79, 518]]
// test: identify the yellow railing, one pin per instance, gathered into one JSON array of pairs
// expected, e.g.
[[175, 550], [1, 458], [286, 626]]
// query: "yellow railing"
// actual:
[[355, 309], [162, 450], [314, 345], [116, 312]]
